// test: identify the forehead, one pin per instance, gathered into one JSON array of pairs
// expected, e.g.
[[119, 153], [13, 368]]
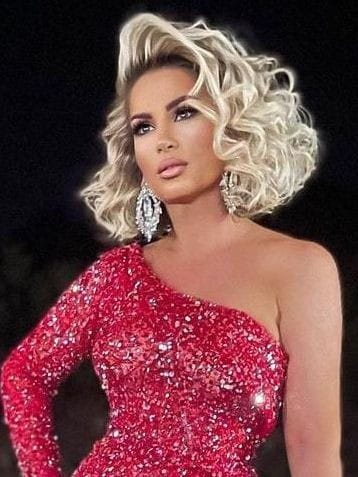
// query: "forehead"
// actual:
[[169, 81]]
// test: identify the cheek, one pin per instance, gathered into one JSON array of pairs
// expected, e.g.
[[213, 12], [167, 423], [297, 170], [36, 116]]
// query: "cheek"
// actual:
[[200, 135], [141, 153]]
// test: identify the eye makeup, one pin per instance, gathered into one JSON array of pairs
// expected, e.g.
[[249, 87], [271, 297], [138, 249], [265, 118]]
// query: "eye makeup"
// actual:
[[180, 110]]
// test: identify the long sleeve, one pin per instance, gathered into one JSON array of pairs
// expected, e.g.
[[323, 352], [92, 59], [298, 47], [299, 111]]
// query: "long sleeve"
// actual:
[[33, 371]]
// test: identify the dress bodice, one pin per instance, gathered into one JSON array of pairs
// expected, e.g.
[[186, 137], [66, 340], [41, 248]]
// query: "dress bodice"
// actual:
[[193, 387]]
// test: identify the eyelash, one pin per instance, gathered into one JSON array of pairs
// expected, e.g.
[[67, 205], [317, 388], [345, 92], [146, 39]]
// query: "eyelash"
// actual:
[[182, 109]]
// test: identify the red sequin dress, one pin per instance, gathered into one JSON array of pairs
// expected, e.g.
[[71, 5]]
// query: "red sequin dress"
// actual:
[[193, 387]]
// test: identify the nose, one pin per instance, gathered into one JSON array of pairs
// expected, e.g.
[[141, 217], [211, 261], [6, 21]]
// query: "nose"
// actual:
[[166, 140], [167, 144]]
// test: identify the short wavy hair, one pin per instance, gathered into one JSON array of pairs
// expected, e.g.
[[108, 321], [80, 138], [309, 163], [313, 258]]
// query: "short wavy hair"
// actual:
[[261, 128]]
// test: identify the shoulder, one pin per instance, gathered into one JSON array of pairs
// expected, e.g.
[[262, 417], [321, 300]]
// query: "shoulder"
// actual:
[[308, 292], [303, 267], [108, 264], [291, 258], [310, 268], [299, 269], [299, 258], [115, 254]]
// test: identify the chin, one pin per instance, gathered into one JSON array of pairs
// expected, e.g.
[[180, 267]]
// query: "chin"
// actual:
[[179, 197]]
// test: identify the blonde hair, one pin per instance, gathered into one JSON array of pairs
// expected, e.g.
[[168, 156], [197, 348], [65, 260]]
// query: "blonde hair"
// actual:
[[261, 129]]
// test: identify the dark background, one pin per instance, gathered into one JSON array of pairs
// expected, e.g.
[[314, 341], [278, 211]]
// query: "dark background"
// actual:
[[58, 67]]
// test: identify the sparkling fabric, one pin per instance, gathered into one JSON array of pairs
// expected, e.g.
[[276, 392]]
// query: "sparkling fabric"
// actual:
[[193, 387]]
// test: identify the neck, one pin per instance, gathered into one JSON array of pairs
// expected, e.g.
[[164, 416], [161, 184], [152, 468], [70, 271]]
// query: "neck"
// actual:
[[203, 225]]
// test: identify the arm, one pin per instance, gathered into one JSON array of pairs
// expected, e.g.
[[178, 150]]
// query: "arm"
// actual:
[[311, 327], [34, 370]]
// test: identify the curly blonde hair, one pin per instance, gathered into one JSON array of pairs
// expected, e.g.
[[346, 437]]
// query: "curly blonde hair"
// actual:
[[260, 127]]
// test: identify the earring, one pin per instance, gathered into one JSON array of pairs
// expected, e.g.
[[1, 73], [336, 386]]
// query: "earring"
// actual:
[[148, 210], [228, 188]]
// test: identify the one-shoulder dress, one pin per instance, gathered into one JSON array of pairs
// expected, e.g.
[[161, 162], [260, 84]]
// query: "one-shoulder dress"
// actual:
[[193, 387]]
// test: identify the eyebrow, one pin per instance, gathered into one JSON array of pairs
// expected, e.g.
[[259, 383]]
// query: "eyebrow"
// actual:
[[168, 107]]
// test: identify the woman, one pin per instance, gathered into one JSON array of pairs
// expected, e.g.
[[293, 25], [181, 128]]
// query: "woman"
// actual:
[[203, 336]]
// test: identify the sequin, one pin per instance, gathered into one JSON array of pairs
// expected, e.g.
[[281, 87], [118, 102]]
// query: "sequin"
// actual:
[[194, 388]]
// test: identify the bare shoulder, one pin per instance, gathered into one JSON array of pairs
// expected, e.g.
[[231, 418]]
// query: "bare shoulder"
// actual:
[[308, 292], [300, 258], [290, 257], [298, 267]]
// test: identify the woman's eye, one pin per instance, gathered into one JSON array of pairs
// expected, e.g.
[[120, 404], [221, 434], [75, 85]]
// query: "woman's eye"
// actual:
[[138, 127], [183, 112], [186, 109]]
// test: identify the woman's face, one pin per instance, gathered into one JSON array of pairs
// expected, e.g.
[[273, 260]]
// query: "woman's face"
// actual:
[[176, 132]]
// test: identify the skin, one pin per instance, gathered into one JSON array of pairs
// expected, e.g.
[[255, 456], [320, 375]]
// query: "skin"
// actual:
[[309, 299], [303, 274]]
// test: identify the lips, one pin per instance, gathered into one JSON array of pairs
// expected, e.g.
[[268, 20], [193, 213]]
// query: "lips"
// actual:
[[165, 163]]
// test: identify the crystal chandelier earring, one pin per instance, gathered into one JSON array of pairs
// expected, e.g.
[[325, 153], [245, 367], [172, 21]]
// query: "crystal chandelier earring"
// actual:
[[228, 188], [148, 211]]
